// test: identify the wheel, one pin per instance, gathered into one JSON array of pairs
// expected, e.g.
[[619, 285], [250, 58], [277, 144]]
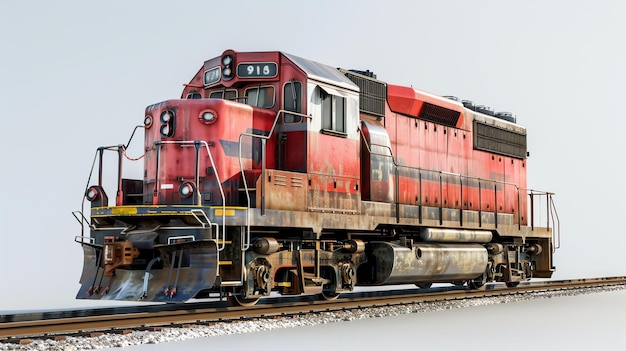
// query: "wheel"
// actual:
[[327, 295], [329, 290], [237, 300], [458, 283], [512, 284], [424, 285], [478, 282]]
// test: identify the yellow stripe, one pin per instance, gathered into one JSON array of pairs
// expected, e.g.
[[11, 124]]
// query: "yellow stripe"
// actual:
[[227, 213], [123, 210], [225, 263]]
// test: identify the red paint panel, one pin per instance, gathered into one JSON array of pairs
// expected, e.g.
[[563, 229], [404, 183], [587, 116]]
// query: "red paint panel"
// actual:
[[294, 154], [434, 148], [403, 148], [452, 150], [403, 100], [333, 155], [409, 101], [176, 163], [509, 199]]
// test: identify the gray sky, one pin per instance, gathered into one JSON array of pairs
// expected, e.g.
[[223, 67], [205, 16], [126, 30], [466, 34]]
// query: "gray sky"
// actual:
[[76, 75]]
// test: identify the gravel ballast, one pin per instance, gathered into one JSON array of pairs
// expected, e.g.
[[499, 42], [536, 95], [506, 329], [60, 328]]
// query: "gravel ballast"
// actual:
[[168, 334]]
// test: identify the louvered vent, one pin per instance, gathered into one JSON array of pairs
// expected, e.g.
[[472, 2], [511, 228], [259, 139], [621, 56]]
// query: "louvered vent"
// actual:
[[438, 114], [499, 140], [373, 94]]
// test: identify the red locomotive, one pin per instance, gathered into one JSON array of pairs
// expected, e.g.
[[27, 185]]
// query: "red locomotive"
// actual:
[[278, 173]]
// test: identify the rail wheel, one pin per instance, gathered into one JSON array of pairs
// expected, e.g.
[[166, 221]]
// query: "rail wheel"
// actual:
[[237, 300], [478, 282], [424, 285], [511, 284], [328, 295], [329, 290]]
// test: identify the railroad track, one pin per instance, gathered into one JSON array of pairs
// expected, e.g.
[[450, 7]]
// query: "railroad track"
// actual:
[[91, 322]]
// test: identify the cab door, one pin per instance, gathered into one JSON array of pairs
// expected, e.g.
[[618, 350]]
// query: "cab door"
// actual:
[[292, 137]]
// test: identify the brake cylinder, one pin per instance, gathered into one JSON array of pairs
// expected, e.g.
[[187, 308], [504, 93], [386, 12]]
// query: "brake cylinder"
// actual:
[[266, 246]]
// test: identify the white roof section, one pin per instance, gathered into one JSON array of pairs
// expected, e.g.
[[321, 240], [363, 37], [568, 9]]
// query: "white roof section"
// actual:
[[323, 73]]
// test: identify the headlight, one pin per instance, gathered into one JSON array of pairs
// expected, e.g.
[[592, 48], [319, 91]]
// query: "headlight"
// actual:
[[92, 193], [147, 122], [166, 116], [96, 195], [227, 67], [186, 190], [208, 116], [168, 123]]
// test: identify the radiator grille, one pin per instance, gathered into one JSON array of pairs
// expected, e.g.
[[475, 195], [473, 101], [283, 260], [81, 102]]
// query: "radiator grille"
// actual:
[[499, 140], [438, 114], [373, 95]]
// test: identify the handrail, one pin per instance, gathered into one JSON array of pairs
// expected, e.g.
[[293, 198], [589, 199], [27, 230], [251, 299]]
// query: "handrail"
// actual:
[[531, 192], [556, 234], [551, 213], [219, 183], [246, 244], [82, 220], [84, 240], [120, 149]]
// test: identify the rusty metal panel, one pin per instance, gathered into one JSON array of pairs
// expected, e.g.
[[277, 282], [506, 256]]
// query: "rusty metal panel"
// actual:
[[284, 190]]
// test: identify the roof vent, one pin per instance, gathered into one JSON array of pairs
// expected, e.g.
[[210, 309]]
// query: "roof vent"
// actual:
[[452, 97], [485, 109], [469, 104], [507, 116], [366, 73]]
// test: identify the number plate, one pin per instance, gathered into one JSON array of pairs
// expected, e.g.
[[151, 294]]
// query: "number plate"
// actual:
[[257, 70], [212, 76]]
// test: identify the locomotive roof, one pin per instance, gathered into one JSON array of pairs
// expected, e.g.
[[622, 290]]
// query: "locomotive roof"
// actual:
[[322, 72]]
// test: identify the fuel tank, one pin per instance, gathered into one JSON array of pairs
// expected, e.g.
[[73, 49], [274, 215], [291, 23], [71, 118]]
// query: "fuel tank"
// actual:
[[389, 263]]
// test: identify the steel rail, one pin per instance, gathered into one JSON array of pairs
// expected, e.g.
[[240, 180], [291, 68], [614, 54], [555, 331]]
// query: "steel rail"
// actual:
[[110, 320]]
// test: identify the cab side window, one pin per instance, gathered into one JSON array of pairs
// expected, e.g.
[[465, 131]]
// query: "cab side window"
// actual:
[[333, 112], [292, 101]]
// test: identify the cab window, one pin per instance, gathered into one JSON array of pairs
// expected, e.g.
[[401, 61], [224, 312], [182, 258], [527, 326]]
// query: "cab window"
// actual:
[[260, 96], [333, 112], [224, 94], [292, 101]]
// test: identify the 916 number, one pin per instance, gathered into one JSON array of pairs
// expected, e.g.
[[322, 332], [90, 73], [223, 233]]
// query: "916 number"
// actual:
[[261, 69]]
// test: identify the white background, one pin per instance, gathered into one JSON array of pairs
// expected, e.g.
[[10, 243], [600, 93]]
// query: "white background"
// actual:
[[76, 75]]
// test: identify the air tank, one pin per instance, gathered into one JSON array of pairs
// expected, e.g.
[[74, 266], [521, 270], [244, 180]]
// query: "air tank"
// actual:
[[455, 235], [389, 263]]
